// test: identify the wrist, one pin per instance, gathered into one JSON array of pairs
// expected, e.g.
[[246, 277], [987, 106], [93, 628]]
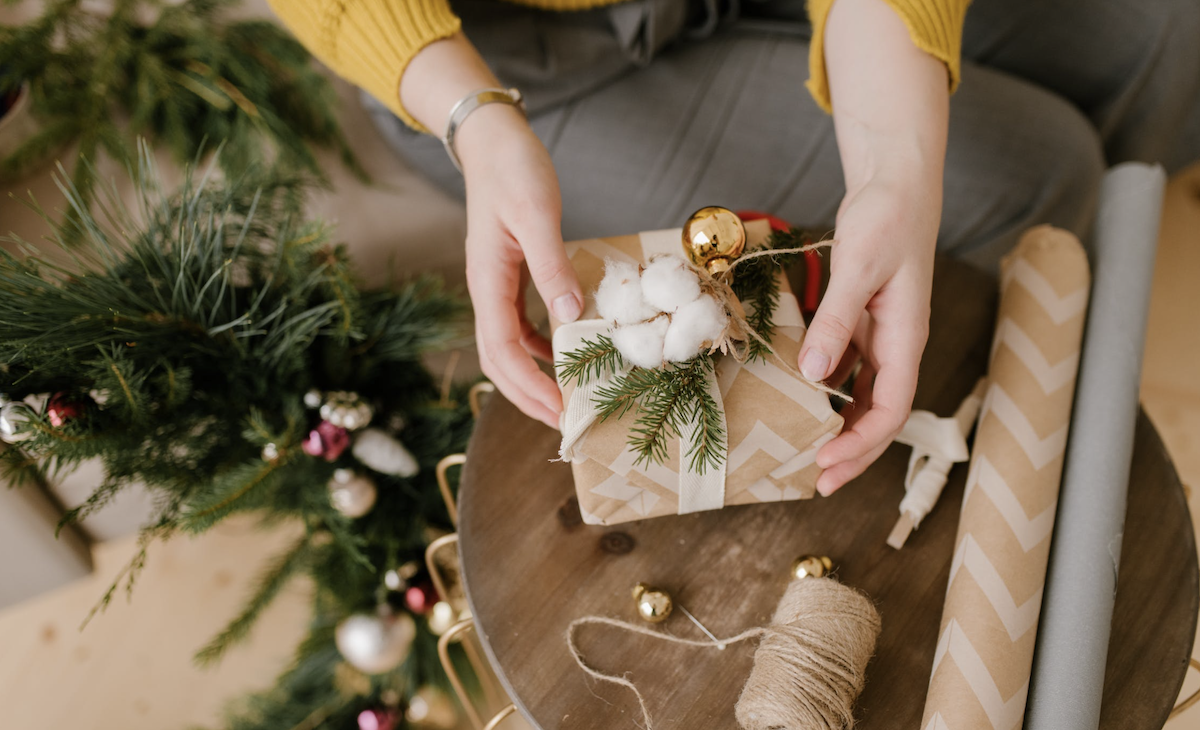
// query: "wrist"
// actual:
[[490, 130]]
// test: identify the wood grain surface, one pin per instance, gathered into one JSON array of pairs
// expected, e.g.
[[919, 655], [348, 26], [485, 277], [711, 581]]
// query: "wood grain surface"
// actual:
[[530, 566]]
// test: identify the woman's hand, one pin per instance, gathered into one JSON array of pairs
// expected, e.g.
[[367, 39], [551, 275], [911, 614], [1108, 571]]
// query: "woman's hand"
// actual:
[[514, 212], [876, 307], [513, 233], [890, 110]]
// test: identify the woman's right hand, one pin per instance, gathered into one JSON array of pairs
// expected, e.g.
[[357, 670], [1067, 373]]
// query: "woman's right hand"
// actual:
[[514, 214]]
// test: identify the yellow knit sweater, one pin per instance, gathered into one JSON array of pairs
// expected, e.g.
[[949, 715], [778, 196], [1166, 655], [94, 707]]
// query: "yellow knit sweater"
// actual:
[[370, 42]]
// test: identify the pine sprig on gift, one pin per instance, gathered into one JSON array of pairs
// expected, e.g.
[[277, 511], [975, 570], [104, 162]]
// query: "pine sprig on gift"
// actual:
[[756, 285], [666, 400], [592, 360]]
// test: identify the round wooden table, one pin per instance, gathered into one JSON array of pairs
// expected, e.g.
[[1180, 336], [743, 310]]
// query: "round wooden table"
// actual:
[[530, 566]]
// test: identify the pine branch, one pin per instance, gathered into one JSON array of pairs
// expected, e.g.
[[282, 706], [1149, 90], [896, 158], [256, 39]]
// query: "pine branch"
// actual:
[[756, 285], [187, 76], [285, 567], [591, 361]]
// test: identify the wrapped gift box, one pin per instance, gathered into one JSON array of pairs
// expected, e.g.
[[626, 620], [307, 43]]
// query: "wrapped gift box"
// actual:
[[775, 421]]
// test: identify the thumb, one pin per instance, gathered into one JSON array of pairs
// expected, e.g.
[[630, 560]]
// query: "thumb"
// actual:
[[552, 272], [832, 326]]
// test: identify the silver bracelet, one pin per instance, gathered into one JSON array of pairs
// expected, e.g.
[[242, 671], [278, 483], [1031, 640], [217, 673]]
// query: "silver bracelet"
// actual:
[[468, 104]]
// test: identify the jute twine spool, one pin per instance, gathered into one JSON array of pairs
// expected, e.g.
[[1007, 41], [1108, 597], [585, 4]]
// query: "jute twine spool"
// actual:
[[809, 667], [811, 663]]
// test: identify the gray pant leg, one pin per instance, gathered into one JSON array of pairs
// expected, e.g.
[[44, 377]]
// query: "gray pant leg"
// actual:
[[1131, 66], [727, 122]]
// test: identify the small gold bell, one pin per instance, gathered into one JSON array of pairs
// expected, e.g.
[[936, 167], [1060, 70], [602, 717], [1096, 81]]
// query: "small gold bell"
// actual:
[[653, 605], [713, 237], [811, 566]]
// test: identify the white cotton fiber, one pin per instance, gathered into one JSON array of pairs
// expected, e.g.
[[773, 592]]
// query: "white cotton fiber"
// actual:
[[693, 327], [668, 284], [642, 344], [619, 296]]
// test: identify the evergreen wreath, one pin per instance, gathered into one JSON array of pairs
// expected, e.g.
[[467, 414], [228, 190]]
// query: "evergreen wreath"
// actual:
[[178, 343]]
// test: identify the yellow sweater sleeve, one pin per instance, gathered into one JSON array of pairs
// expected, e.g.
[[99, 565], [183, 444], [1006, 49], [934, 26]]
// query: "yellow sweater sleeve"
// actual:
[[935, 26], [369, 42]]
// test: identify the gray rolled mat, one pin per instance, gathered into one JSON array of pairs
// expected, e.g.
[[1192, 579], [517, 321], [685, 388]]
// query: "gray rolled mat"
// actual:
[[1072, 646]]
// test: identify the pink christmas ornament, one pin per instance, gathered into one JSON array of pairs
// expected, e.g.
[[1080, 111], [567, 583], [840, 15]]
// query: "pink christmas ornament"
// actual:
[[326, 441], [377, 720], [61, 409], [420, 598]]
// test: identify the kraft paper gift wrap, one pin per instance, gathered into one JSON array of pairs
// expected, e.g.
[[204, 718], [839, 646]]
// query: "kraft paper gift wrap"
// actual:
[[982, 662], [775, 421]]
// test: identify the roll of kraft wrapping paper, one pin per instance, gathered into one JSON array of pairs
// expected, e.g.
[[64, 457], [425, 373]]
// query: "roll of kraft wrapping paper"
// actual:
[[984, 652], [1068, 672]]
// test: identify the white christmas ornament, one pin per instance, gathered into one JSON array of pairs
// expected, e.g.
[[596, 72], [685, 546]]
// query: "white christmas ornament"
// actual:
[[642, 343], [384, 454], [693, 327], [375, 644], [668, 284], [619, 296]]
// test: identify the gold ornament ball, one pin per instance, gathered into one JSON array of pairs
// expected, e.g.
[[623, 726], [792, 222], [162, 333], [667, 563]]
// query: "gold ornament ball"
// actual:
[[430, 709], [375, 644], [713, 237], [653, 605], [811, 566]]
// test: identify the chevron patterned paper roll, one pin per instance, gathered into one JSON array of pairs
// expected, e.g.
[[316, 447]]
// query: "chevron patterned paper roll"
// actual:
[[984, 653]]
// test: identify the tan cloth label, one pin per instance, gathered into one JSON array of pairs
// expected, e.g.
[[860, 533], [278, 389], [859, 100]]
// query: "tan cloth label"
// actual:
[[775, 421]]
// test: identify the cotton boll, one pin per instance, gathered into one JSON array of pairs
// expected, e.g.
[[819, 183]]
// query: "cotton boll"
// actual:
[[619, 296], [694, 325], [642, 343], [667, 284]]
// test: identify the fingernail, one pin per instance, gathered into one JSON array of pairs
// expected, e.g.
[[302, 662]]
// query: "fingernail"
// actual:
[[814, 365], [567, 308], [824, 487]]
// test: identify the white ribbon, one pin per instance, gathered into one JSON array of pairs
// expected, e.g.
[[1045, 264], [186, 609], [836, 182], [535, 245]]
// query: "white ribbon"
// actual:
[[938, 444]]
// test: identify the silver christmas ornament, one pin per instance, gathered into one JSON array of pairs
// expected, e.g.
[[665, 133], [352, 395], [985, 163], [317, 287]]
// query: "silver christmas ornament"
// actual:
[[13, 418], [383, 453], [312, 399], [351, 493], [375, 643], [347, 410], [270, 452]]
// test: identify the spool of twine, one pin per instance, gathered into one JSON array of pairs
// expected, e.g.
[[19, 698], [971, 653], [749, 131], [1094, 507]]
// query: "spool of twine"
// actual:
[[809, 667], [811, 662]]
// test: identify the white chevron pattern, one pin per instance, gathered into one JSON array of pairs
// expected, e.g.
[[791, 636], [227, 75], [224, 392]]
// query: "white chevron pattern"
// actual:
[[1003, 715], [1059, 308], [1050, 377], [1018, 620], [760, 438], [1029, 532], [1041, 451], [937, 723]]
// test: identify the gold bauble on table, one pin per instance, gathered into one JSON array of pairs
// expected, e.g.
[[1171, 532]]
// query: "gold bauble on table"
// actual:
[[713, 237], [653, 605], [811, 566]]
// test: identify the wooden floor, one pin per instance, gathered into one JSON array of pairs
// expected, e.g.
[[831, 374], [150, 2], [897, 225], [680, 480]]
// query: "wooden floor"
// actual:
[[130, 669]]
